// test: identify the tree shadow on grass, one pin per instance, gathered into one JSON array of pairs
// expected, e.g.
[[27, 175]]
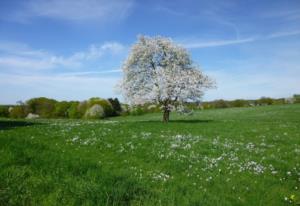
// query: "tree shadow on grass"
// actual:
[[186, 121], [192, 121], [11, 124]]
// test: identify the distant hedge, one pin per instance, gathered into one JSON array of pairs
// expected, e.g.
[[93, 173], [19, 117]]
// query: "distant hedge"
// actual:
[[97, 108], [245, 103], [43, 107]]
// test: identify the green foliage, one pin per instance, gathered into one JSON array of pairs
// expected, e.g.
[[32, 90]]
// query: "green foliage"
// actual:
[[61, 109], [239, 103], [296, 98], [220, 104], [207, 105], [73, 111], [42, 106], [116, 106], [242, 103], [4, 111], [125, 110], [105, 104], [18, 111], [264, 101], [47, 108], [50, 108], [151, 108], [279, 101], [137, 110]]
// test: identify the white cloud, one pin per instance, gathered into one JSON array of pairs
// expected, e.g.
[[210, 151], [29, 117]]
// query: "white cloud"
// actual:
[[20, 49], [27, 73], [14, 56], [25, 63], [96, 51], [78, 11]]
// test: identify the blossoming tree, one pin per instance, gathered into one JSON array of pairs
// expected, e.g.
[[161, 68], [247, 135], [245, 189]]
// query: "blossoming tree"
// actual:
[[158, 70]]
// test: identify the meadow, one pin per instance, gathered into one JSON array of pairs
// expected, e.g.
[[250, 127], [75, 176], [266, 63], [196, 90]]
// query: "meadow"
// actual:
[[235, 156]]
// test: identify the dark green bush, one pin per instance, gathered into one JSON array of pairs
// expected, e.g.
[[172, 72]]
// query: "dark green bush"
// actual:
[[61, 109], [239, 103], [4, 111], [207, 105], [265, 101], [19, 111], [116, 106], [42, 106], [73, 112], [220, 104]]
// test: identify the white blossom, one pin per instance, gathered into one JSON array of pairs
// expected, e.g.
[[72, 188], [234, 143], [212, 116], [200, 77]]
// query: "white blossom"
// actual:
[[157, 70]]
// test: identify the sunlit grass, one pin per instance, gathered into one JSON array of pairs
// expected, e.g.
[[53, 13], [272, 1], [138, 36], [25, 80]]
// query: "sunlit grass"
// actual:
[[239, 156]]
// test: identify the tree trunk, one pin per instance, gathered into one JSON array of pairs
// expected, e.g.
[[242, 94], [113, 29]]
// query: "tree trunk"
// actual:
[[166, 115]]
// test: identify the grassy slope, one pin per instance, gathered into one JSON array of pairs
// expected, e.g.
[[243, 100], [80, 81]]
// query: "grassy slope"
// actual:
[[240, 156]]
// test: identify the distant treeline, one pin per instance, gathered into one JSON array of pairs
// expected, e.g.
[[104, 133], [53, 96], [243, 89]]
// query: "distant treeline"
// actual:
[[98, 108], [245, 103], [42, 107]]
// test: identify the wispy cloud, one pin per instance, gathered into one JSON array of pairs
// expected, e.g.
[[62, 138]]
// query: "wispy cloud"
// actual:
[[283, 34], [78, 11], [288, 14], [14, 56], [96, 51], [215, 43], [167, 10], [75, 74], [196, 44]]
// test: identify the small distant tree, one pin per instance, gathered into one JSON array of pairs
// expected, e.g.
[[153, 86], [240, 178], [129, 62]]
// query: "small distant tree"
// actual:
[[105, 104], [158, 70], [42, 106], [73, 112], [18, 111], [116, 106]]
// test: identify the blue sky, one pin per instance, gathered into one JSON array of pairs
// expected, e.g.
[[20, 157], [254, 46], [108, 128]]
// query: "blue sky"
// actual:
[[73, 50]]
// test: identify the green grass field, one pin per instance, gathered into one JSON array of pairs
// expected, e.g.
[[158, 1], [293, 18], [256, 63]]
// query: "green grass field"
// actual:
[[239, 156]]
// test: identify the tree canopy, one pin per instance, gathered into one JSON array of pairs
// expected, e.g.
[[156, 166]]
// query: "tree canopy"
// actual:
[[158, 70]]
